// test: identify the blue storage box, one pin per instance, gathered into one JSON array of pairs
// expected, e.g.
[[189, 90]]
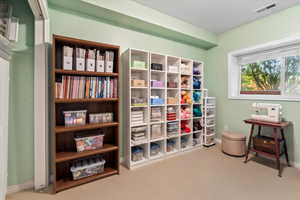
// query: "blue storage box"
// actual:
[[157, 101]]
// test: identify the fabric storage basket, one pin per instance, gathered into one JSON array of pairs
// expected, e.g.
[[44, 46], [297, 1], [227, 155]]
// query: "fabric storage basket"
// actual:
[[266, 144], [89, 143], [234, 144], [75, 118], [86, 168]]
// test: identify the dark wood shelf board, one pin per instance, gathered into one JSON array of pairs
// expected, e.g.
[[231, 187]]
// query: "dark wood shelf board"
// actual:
[[67, 156], [86, 100], [84, 73], [64, 129], [270, 155], [68, 183]]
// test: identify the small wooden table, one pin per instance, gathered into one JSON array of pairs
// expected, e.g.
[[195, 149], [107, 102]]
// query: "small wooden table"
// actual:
[[276, 137]]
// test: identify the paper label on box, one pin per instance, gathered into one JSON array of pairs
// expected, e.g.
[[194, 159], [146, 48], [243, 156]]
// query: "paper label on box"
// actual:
[[100, 66], [109, 66], [80, 66], [90, 65], [68, 61]]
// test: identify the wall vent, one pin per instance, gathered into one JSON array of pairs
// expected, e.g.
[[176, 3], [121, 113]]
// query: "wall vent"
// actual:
[[266, 7]]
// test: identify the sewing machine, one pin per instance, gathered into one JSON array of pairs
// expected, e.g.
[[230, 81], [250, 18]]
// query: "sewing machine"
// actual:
[[267, 112]]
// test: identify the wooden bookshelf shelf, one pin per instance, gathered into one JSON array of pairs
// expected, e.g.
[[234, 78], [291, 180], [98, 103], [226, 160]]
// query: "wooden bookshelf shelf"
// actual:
[[66, 156], [64, 129], [72, 83], [86, 100], [69, 183], [84, 73]]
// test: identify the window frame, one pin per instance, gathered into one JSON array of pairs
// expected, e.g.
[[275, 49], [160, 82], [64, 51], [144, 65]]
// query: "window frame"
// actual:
[[234, 72]]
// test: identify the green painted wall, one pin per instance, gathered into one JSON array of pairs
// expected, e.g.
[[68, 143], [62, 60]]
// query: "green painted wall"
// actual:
[[63, 22], [132, 15], [69, 23], [231, 112], [20, 163]]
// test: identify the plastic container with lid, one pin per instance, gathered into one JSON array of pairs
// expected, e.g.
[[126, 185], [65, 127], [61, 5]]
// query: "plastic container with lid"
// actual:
[[154, 149], [86, 168], [89, 143], [75, 118], [137, 153]]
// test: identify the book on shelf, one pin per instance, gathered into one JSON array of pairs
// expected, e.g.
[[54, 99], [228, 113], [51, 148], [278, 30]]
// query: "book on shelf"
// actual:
[[80, 87]]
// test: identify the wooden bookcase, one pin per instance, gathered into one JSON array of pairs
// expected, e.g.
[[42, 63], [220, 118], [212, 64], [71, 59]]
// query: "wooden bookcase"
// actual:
[[63, 145], [183, 141]]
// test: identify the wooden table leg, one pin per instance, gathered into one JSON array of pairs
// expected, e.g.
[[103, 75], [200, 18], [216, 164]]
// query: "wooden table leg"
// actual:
[[259, 134], [259, 130], [249, 143], [277, 151], [285, 147]]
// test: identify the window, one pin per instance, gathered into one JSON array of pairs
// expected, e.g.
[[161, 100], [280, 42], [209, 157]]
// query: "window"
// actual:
[[261, 77], [270, 72]]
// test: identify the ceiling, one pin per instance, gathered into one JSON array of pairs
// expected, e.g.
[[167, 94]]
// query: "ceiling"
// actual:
[[216, 15]]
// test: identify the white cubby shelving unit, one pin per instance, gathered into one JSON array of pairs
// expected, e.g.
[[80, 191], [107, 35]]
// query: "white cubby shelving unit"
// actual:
[[160, 122], [209, 121]]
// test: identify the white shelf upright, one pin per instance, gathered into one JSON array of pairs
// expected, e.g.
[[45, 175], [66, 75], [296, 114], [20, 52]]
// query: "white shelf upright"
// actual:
[[209, 121]]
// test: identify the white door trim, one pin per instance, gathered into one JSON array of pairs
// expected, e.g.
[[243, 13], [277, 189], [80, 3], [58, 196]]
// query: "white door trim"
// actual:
[[4, 105], [41, 169], [41, 151]]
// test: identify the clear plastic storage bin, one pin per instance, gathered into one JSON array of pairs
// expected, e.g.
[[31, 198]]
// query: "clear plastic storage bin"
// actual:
[[137, 153], [75, 118], [89, 143], [171, 145], [154, 149], [86, 168], [101, 118]]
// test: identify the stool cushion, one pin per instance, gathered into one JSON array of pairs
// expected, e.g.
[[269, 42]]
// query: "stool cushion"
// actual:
[[234, 136], [234, 144]]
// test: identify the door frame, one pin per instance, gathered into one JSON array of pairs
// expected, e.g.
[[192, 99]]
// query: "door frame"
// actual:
[[41, 142], [5, 54]]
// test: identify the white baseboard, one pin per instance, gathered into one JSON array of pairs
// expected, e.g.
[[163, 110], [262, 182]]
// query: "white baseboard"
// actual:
[[296, 165], [218, 140], [122, 159], [20, 187]]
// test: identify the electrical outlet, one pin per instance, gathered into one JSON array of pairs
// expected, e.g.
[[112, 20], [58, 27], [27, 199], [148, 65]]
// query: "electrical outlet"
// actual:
[[226, 128]]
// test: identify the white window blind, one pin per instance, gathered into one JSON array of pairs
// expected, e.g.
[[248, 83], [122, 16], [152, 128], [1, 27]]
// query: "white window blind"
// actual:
[[269, 54]]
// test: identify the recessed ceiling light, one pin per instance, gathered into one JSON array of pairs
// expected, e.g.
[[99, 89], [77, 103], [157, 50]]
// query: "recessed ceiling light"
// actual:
[[266, 7]]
